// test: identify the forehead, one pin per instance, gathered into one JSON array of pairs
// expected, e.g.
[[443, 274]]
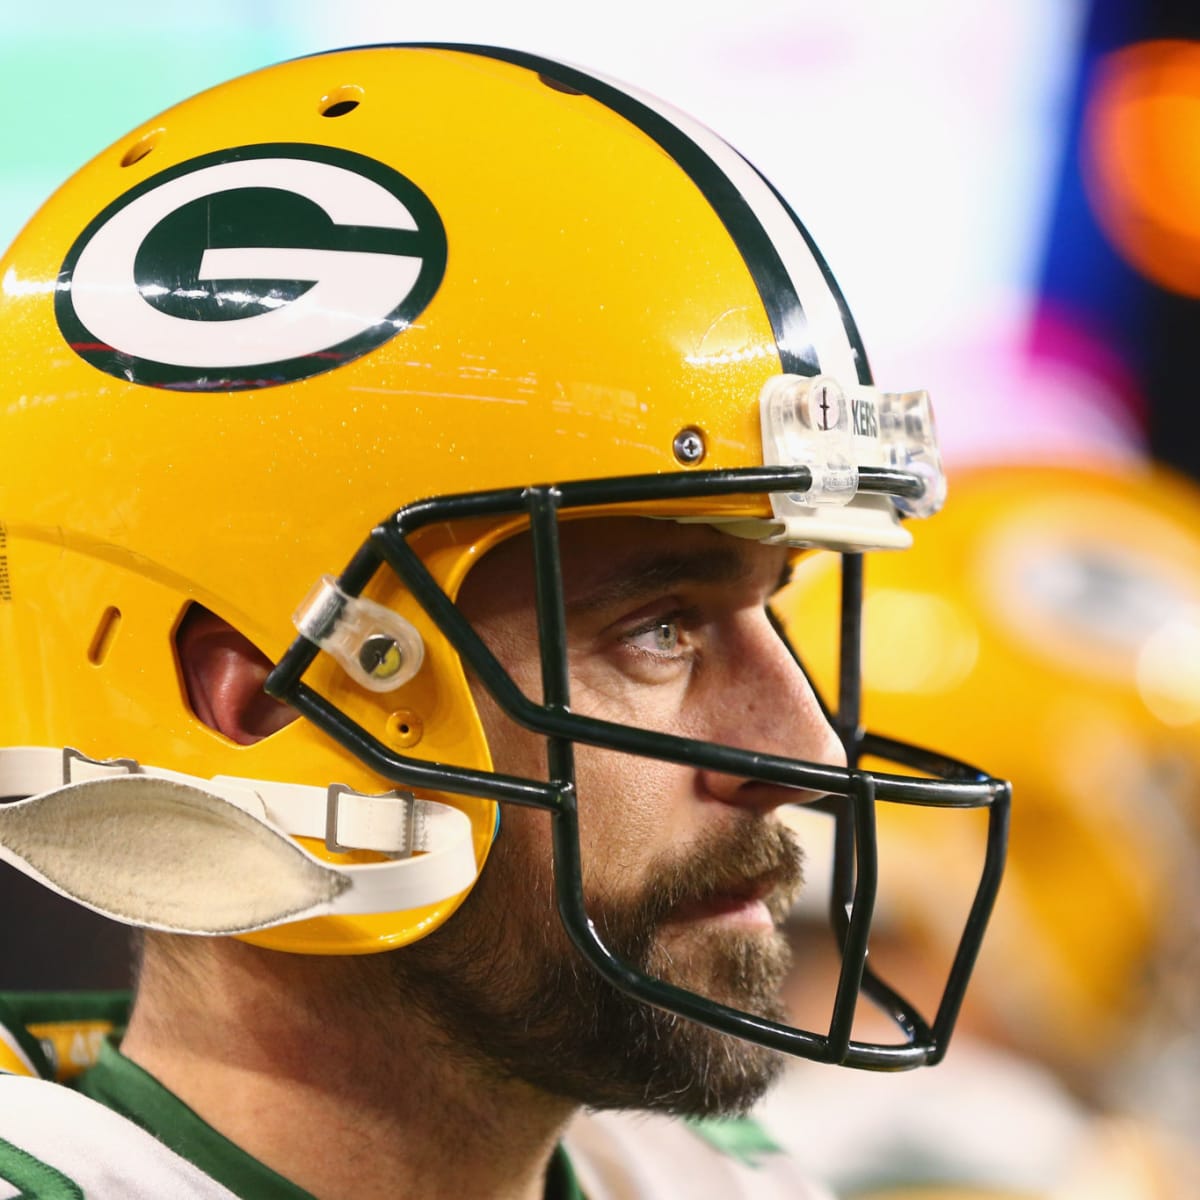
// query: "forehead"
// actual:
[[609, 560]]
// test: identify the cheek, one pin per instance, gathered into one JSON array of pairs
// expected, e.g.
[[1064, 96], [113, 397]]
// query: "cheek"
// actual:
[[631, 810], [600, 690], [514, 750]]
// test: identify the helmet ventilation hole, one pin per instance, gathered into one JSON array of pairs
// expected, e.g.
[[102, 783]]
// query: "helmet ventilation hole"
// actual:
[[404, 728], [341, 101], [102, 639], [141, 148]]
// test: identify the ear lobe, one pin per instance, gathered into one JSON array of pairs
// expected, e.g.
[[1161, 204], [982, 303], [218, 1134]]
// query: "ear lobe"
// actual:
[[224, 673]]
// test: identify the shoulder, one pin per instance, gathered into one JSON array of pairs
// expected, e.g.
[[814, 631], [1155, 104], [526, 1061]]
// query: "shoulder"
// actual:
[[56, 1144], [652, 1156]]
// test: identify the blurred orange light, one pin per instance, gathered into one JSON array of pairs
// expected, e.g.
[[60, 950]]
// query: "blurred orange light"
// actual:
[[1141, 159]]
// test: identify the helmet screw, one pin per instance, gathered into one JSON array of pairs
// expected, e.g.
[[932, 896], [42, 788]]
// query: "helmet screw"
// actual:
[[380, 657], [689, 445]]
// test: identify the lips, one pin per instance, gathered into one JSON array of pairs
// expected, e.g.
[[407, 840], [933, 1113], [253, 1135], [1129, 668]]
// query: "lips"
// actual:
[[749, 901]]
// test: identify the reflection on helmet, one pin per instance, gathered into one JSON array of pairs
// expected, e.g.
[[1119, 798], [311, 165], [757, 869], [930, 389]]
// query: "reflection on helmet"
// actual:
[[327, 291], [1048, 623]]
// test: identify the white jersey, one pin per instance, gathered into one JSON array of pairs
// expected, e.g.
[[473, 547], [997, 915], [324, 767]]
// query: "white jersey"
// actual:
[[58, 1145], [628, 1156], [112, 1132]]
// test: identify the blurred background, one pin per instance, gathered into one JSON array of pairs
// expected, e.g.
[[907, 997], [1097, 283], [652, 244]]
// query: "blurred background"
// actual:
[[1009, 196]]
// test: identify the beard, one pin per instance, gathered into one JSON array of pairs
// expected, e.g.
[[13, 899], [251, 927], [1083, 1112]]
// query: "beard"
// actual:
[[504, 986]]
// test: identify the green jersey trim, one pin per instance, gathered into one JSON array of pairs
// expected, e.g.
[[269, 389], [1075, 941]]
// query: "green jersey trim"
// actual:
[[121, 1085], [741, 1138], [561, 1183], [36, 1179]]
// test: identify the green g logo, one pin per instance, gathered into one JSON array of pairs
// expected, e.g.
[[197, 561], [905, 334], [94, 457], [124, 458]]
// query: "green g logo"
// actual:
[[251, 267]]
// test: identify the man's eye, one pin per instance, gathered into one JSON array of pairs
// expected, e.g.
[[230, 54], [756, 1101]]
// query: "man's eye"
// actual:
[[662, 637]]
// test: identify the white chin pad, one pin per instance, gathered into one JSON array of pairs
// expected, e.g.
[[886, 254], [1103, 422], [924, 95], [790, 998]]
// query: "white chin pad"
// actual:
[[164, 855]]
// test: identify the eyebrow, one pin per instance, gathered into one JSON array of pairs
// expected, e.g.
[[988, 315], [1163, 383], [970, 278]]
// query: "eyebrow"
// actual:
[[658, 571]]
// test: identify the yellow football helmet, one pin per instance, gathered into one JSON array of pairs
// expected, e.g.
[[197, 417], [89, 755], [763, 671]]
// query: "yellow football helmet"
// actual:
[[303, 348], [1048, 621]]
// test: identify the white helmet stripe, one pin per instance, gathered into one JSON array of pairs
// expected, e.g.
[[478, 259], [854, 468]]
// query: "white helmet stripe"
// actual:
[[810, 280], [813, 330]]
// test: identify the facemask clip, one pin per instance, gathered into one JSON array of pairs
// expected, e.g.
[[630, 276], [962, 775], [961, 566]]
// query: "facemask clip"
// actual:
[[375, 646]]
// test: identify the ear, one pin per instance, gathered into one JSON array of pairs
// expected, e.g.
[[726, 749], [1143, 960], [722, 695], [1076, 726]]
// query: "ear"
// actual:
[[224, 672]]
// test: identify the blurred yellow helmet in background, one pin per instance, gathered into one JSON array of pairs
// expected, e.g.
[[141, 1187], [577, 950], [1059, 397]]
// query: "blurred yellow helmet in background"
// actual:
[[1048, 623]]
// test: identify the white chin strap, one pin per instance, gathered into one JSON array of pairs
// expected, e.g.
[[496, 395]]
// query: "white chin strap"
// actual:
[[163, 850]]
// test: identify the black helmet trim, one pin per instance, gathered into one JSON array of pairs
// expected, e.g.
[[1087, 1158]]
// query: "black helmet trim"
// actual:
[[791, 326]]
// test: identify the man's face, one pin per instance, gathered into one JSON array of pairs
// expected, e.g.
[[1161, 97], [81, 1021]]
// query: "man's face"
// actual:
[[687, 873]]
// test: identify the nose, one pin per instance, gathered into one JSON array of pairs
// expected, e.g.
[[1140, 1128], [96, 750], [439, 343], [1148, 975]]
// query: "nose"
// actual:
[[766, 704]]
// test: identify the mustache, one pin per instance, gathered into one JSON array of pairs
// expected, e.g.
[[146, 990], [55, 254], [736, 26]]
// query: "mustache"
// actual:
[[760, 859]]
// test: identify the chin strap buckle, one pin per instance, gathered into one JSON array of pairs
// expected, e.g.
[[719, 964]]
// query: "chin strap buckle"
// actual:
[[406, 839], [77, 767]]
